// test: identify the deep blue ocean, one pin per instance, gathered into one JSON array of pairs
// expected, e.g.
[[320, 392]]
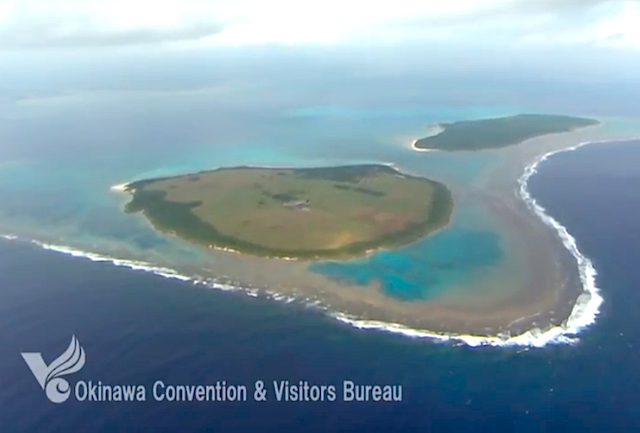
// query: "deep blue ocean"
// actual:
[[136, 328]]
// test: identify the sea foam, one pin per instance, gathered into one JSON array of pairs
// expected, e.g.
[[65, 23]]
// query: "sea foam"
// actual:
[[583, 314], [160, 271], [132, 264]]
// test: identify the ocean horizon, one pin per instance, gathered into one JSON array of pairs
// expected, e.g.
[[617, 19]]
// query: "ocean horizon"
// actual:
[[336, 216]]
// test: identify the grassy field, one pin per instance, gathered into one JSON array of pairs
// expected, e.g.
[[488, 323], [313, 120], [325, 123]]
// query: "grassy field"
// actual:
[[300, 213], [499, 132]]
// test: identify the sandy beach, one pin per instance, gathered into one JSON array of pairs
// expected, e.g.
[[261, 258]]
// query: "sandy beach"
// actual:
[[535, 288], [432, 131], [543, 290], [122, 187], [417, 149]]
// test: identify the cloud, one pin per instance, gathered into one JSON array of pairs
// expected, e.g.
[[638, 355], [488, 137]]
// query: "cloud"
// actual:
[[44, 23], [612, 24], [47, 35], [41, 23], [515, 21]]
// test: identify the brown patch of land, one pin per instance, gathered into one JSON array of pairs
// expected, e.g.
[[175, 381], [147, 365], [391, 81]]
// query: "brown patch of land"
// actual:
[[301, 213]]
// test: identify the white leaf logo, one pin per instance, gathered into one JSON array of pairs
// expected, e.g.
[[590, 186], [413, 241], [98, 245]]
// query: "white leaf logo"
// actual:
[[50, 376]]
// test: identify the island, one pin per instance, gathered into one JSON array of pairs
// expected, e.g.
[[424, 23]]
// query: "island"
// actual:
[[499, 132], [295, 213]]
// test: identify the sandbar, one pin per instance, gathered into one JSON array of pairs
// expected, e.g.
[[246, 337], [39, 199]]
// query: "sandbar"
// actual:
[[544, 291]]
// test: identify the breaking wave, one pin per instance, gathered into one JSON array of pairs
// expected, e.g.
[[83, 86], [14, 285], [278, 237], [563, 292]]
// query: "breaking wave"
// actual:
[[583, 314], [161, 271]]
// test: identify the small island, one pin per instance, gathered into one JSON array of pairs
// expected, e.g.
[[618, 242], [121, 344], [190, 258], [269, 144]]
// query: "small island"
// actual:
[[306, 213], [499, 132]]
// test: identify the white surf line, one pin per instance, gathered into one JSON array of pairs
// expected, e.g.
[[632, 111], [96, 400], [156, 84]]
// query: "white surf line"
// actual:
[[587, 306], [132, 264], [583, 314], [530, 338], [136, 266]]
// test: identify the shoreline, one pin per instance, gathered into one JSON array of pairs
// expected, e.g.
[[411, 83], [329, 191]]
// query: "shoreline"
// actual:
[[442, 199], [497, 143], [586, 300], [563, 310], [121, 187], [419, 149], [435, 129], [530, 333], [582, 314]]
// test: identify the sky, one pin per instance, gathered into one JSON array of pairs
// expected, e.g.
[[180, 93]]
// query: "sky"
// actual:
[[286, 53], [112, 77], [32, 24]]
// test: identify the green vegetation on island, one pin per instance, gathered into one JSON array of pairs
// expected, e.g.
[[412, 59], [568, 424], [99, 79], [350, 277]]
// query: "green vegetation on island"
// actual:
[[499, 132], [307, 213]]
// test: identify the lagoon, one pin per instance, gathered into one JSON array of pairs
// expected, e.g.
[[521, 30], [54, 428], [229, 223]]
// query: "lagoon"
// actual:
[[60, 195]]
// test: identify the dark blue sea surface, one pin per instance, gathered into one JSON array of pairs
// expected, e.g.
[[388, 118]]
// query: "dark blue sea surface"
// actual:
[[137, 328]]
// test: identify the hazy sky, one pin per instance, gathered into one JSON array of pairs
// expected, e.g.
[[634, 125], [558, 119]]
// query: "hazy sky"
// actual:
[[75, 73], [46, 23], [328, 50]]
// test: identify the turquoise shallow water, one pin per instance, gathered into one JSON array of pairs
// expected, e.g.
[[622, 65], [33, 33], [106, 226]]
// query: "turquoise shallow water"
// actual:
[[57, 182], [424, 269], [138, 328]]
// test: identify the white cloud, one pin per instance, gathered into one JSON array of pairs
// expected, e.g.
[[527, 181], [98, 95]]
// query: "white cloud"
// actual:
[[28, 23], [33, 23], [622, 29], [618, 26]]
